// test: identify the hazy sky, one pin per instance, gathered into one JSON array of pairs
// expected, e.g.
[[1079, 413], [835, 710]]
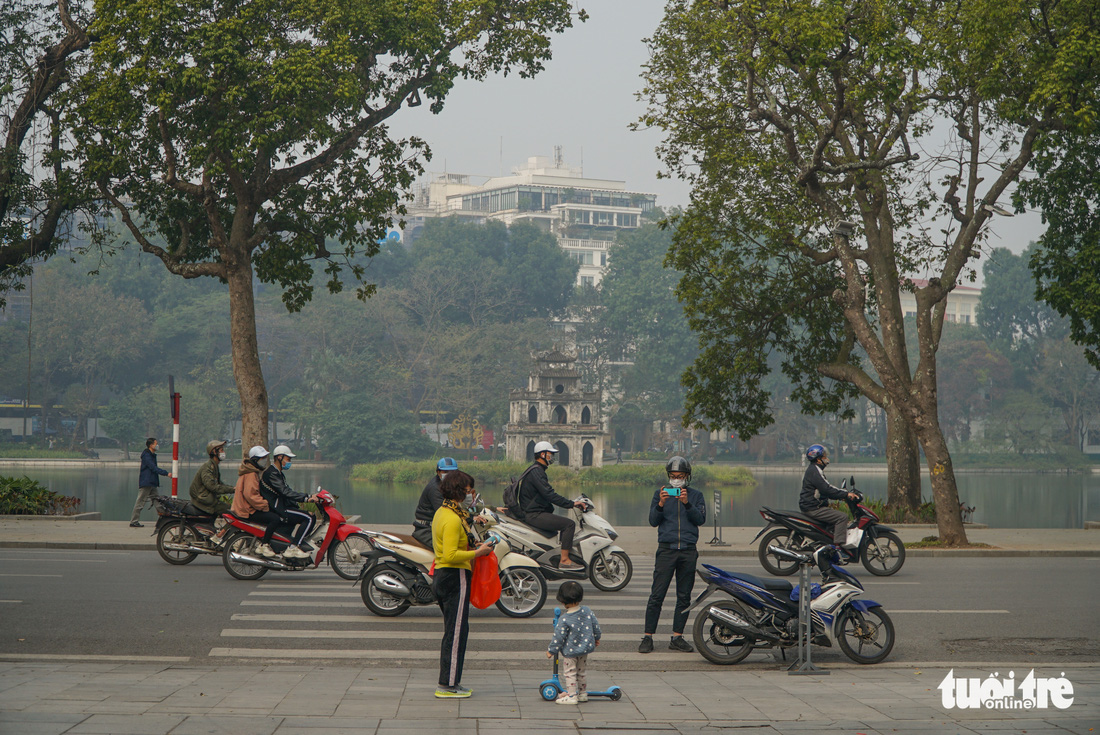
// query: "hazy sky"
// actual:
[[584, 101]]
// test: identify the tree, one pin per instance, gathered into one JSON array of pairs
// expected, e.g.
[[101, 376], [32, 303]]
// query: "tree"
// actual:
[[357, 427], [1009, 314], [241, 141], [1066, 380], [972, 377], [789, 119]]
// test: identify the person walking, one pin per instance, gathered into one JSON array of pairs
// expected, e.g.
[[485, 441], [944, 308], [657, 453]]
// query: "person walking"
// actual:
[[430, 500], [537, 500], [148, 480], [451, 540], [676, 512], [576, 634]]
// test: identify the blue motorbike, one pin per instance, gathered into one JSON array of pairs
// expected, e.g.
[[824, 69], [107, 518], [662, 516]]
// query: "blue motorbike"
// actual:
[[761, 614]]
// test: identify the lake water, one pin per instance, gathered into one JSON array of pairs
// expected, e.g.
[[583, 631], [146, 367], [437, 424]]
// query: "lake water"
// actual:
[[1031, 500]]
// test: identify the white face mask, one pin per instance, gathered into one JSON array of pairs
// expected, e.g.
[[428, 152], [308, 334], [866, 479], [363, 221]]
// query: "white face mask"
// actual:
[[677, 483], [221, 455], [469, 501]]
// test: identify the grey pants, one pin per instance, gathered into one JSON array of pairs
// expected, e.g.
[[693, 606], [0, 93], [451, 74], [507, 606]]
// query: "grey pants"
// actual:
[[574, 674], [837, 517], [144, 493]]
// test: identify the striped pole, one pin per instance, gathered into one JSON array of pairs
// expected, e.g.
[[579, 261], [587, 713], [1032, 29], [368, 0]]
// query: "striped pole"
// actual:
[[174, 402]]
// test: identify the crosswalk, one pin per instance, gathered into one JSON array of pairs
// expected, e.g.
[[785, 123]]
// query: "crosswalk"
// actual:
[[314, 615]]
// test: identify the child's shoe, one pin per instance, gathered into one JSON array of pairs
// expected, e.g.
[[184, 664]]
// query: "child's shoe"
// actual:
[[566, 698], [582, 696]]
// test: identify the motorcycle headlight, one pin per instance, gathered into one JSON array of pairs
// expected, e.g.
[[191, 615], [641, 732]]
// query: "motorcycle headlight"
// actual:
[[612, 535]]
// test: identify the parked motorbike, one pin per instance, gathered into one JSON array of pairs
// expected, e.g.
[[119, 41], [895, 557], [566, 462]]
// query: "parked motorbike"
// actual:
[[396, 575], [343, 544], [603, 563], [183, 531], [763, 613], [878, 547]]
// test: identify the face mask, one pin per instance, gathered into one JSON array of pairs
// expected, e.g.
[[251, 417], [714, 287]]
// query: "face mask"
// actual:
[[442, 476], [549, 458], [221, 455], [469, 501], [677, 483], [287, 465]]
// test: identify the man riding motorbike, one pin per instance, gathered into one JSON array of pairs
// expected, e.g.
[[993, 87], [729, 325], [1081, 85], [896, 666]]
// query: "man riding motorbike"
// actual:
[[430, 501], [208, 492], [537, 499], [816, 493], [283, 501]]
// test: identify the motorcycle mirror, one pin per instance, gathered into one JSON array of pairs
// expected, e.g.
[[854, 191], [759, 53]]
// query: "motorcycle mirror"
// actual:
[[843, 484], [853, 482]]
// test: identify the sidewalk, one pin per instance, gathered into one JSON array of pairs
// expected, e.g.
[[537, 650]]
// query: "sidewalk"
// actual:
[[75, 534], [119, 699]]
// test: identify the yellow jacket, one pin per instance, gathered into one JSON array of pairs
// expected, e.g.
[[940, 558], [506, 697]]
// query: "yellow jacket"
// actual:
[[449, 540]]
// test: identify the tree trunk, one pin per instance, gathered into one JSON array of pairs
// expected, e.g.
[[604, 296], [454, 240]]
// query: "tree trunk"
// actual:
[[246, 356], [902, 462], [944, 490]]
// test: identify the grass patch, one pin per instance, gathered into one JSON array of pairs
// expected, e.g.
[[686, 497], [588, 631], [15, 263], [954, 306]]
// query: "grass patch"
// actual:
[[933, 542], [24, 496], [9, 452]]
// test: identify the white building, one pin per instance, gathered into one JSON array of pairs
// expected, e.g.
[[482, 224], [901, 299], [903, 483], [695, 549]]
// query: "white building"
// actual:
[[584, 214], [962, 303]]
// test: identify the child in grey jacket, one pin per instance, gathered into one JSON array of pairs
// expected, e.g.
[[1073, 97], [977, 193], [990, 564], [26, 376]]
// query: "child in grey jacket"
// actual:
[[576, 635]]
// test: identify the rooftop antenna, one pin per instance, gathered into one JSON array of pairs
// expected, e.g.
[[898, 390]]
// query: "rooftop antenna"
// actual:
[[557, 157], [582, 160], [501, 156]]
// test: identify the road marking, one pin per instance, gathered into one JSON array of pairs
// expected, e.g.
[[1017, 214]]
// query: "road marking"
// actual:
[[949, 612], [402, 635], [433, 620], [301, 603], [31, 575], [305, 594], [12, 601], [93, 657], [307, 653], [81, 561]]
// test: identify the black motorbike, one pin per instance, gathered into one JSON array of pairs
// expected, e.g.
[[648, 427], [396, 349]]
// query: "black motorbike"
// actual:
[[183, 531], [878, 547]]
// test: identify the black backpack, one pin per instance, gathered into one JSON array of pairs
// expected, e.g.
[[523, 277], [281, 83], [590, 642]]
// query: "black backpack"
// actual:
[[511, 495]]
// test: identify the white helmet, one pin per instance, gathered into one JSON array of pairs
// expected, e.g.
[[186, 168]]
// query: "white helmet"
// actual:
[[545, 447], [257, 452], [284, 450]]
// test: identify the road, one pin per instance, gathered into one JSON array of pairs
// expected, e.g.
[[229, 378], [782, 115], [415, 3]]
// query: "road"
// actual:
[[92, 605]]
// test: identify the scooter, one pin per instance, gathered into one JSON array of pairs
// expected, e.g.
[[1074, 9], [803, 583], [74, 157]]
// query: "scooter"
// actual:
[[395, 576], [878, 547], [603, 563], [551, 688], [345, 545], [183, 531], [762, 613]]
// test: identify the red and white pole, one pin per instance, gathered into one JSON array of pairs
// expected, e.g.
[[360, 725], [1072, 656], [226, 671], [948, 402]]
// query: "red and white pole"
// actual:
[[174, 399]]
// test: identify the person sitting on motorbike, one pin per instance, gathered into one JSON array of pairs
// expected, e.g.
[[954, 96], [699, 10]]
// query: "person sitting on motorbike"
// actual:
[[537, 500], [207, 489], [816, 493], [430, 501], [283, 501], [248, 503]]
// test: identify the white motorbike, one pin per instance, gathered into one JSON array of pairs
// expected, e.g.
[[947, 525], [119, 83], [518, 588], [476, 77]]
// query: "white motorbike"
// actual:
[[603, 563], [395, 576]]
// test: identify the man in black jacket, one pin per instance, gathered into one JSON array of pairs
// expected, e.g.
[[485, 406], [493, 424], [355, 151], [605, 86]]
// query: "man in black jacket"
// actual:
[[430, 501], [816, 493], [283, 501], [537, 500], [677, 516]]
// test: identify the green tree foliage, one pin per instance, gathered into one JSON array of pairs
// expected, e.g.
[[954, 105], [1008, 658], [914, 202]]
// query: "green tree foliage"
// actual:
[[358, 427], [1009, 314], [244, 140]]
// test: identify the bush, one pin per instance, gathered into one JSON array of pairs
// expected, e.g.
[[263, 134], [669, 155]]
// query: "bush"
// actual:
[[24, 496], [11, 452]]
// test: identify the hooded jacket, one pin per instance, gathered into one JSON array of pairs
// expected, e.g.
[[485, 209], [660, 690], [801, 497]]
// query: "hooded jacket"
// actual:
[[247, 500]]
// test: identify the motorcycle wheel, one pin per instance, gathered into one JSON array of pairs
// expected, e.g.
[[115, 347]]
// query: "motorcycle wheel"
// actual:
[[177, 532], [865, 637], [717, 643], [242, 543], [346, 557], [883, 556], [783, 538], [379, 602], [522, 592], [610, 572]]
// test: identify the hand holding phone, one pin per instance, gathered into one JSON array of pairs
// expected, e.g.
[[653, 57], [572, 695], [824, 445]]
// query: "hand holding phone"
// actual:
[[673, 492]]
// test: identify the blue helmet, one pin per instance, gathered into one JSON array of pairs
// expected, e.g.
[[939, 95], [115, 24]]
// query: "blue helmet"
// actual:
[[815, 452], [447, 464]]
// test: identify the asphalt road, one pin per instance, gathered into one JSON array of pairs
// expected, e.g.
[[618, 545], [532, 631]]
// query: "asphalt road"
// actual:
[[87, 605]]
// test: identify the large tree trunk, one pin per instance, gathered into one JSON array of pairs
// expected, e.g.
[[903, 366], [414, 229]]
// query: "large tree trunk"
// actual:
[[902, 462], [944, 490], [246, 356]]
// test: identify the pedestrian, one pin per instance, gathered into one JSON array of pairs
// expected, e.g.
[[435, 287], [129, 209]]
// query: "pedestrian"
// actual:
[[576, 634], [430, 500], [148, 479], [815, 496], [452, 541], [208, 493], [537, 500], [676, 511], [619, 454]]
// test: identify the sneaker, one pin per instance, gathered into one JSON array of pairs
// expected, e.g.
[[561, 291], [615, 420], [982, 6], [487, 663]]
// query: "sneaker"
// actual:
[[570, 566], [451, 693], [463, 690], [566, 699], [582, 696], [216, 541], [266, 550], [293, 552], [135, 524], [646, 646], [679, 644]]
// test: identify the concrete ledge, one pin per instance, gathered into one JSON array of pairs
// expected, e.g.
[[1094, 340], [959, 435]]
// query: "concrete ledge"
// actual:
[[92, 516], [1092, 525]]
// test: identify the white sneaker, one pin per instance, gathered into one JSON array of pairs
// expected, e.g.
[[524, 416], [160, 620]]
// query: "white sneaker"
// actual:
[[566, 699], [582, 697], [266, 550], [293, 552]]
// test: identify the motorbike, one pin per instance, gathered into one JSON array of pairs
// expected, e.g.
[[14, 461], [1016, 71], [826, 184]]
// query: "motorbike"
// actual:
[[761, 614], [344, 545], [183, 531], [603, 563], [878, 547], [395, 576]]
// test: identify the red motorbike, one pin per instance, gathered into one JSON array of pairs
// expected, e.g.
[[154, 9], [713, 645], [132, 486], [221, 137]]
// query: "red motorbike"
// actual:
[[345, 545]]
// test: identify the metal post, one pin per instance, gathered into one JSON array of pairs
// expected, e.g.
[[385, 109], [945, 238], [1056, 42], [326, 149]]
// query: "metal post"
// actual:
[[717, 540], [804, 665], [174, 399]]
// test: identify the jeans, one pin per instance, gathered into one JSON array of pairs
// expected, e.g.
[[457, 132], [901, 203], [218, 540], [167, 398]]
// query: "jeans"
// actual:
[[452, 590], [668, 562]]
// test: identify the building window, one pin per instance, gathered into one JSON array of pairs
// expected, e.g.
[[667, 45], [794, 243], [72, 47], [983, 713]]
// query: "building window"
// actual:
[[588, 282], [965, 319]]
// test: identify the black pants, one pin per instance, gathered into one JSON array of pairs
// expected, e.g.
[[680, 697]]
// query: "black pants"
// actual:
[[297, 524], [423, 534], [452, 591], [680, 562], [551, 522], [271, 520], [838, 519]]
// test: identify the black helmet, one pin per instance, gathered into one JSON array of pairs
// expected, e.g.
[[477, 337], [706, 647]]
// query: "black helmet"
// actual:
[[678, 464]]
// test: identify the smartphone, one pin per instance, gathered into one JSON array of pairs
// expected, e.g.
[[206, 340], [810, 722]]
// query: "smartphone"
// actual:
[[673, 491]]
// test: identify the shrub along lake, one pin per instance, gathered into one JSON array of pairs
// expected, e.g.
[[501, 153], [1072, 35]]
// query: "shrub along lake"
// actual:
[[1001, 500]]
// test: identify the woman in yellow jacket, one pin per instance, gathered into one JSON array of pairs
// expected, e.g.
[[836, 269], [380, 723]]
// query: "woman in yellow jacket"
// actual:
[[453, 564]]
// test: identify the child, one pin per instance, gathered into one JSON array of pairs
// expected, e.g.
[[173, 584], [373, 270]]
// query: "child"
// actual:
[[575, 636]]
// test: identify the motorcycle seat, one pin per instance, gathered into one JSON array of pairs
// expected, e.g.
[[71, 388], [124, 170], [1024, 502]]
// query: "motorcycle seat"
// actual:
[[793, 514], [407, 539], [772, 585], [191, 510]]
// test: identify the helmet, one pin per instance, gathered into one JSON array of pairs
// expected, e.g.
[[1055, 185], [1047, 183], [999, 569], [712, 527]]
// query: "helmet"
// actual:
[[815, 452], [257, 452], [284, 450], [447, 464], [678, 464], [214, 445], [545, 447]]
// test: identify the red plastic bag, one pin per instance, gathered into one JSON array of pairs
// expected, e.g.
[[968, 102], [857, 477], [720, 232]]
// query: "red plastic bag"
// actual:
[[485, 582]]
